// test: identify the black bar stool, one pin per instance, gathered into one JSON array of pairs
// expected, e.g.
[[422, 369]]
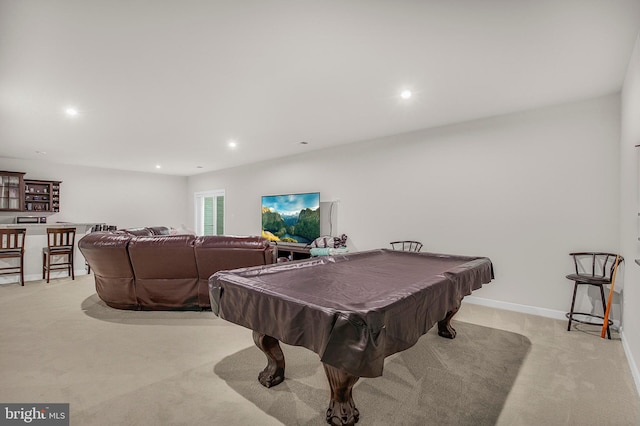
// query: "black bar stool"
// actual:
[[595, 269]]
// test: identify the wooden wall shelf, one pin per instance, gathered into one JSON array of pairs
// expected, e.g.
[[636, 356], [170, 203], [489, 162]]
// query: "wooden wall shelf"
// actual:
[[18, 194], [41, 196]]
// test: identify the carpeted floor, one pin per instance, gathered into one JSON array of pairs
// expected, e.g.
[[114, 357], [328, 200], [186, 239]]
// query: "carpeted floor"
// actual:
[[60, 343], [437, 382]]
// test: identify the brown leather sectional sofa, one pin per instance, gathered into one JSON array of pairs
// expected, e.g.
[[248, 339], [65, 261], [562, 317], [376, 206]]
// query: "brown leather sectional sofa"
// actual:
[[147, 269]]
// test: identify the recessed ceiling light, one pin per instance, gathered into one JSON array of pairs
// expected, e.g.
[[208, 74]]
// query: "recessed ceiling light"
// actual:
[[71, 111], [232, 144], [158, 166], [405, 94]]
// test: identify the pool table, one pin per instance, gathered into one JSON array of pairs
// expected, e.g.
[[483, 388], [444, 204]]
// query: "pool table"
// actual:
[[352, 310]]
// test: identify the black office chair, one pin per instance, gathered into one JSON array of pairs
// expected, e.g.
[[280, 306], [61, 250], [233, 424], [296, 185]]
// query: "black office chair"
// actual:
[[595, 269], [406, 245]]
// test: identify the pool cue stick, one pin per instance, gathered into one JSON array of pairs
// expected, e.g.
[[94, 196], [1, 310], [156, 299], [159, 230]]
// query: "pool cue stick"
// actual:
[[605, 323]]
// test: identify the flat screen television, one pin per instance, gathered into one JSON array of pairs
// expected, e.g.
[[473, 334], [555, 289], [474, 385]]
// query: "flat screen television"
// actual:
[[291, 218]]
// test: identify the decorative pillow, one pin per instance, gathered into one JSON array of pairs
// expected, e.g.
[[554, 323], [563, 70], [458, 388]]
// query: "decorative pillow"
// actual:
[[340, 241], [328, 241]]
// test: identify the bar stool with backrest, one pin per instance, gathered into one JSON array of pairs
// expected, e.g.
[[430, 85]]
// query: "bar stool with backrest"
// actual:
[[593, 269], [12, 247], [60, 243], [406, 245]]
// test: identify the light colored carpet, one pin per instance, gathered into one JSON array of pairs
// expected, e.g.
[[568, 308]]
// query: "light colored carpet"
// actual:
[[437, 382], [60, 343]]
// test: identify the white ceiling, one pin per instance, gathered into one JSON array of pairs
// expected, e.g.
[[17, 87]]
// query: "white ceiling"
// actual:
[[170, 82]]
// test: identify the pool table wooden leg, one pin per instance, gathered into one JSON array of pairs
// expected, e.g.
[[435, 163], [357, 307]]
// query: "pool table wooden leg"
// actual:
[[273, 373], [444, 326], [342, 410]]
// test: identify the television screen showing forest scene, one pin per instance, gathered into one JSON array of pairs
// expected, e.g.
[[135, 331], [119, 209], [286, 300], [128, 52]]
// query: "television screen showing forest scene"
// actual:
[[291, 218]]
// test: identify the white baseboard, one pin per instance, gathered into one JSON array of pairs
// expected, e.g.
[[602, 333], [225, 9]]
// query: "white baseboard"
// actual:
[[13, 279], [635, 373], [525, 309]]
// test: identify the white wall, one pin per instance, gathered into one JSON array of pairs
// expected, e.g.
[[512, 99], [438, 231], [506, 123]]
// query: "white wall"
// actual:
[[524, 189], [629, 208], [124, 199]]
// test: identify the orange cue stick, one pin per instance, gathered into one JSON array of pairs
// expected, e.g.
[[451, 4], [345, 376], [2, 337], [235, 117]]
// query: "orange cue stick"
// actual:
[[606, 314]]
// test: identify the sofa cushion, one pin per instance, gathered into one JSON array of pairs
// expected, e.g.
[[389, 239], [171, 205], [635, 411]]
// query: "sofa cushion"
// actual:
[[159, 230], [109, 259], [141, 232], [217, 253], [166, 272]]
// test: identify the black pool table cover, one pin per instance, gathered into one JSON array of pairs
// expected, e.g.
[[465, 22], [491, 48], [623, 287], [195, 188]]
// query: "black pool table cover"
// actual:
[[352, 310]]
